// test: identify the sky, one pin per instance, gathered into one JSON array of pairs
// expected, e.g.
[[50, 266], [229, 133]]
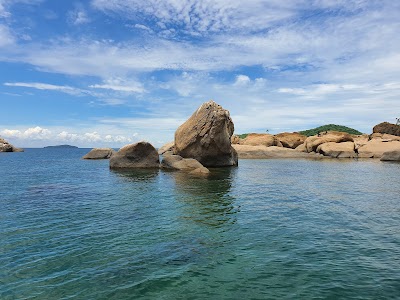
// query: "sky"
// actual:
[[106, 73]]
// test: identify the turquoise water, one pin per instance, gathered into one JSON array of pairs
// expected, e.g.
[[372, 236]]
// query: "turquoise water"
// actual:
[[269, 229]]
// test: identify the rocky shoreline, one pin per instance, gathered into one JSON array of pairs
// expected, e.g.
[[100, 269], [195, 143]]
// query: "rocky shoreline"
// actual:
[[206, 140]]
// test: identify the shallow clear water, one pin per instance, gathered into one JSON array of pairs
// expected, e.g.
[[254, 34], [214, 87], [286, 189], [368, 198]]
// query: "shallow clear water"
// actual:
[[269, 229]]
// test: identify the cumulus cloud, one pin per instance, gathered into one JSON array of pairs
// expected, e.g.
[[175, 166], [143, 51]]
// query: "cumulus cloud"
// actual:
[[242, 80], [43, 136], [35, 133]]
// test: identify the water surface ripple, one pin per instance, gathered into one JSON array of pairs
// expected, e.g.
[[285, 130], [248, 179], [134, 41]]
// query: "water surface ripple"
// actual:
[[270, 229]]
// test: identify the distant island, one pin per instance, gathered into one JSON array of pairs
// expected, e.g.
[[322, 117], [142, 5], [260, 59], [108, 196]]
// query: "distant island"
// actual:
[[61, 146]]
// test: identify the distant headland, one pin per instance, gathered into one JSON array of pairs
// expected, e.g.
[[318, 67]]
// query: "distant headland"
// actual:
[[61, 146]]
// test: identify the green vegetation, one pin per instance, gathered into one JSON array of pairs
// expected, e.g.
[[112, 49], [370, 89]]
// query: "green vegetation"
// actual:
[[329, 127], [243, 136]]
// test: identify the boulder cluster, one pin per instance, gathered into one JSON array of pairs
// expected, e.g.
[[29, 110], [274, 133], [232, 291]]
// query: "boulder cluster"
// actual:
[[206, 140], [7, 147], [327, 144]]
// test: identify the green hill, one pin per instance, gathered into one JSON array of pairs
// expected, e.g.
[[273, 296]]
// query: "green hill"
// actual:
[[329, 127]]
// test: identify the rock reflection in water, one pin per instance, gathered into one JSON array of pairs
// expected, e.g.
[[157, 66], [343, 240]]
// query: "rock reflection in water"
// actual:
[[137, 175], [208, 201]]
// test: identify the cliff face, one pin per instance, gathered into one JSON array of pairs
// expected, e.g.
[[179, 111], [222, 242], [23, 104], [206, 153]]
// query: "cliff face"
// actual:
[[387, 128], [7, 147]]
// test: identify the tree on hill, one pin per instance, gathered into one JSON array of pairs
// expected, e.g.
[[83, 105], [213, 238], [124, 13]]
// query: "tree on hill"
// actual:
[[330, 127]]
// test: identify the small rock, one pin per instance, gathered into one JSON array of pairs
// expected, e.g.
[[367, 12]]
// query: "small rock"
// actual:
[[99, 153], [168, 147], [139, 155]]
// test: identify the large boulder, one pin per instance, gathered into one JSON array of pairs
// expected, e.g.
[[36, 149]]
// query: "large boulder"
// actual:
[[387, 128], [99, 153], [312, 142], [264, 152], [391, 156], [260, 139], [206, 137], [139, 155], [176, 162], [376, 147], [337, 150], [291, 139], [7, 147]]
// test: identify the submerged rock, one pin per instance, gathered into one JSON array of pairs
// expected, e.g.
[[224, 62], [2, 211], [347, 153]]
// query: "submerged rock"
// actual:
[[206, 137], [99, 153], [7, 147], [139, 155]]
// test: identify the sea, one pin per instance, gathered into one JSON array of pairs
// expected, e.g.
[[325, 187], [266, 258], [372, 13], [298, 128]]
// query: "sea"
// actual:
[[267, 229]]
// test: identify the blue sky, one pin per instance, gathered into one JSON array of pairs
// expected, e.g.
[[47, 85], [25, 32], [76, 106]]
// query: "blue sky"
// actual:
[[112, 72]]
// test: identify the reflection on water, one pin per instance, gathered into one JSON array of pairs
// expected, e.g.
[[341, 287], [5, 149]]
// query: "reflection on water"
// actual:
[[139, 174], [208, 200]]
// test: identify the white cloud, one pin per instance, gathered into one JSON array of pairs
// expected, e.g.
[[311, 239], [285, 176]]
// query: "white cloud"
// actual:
[[3, 12], [242, 80], [38, 136], [6, 38], [120, 85], [46, 86], [143, 27], [78, 16], [35, 133]]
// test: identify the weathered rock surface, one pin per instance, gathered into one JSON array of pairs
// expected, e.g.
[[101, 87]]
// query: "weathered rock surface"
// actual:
[[260, 139], [301, 148], [312, 142], [235, 139], [337, 150], [388, 128], [391, 156], [168, 147], [139, 155], [190, 165], [376, 147], [99, 153], [260, 152], [291, 139], [384, 136], [7, 147], [360, 140], [206, 137]]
